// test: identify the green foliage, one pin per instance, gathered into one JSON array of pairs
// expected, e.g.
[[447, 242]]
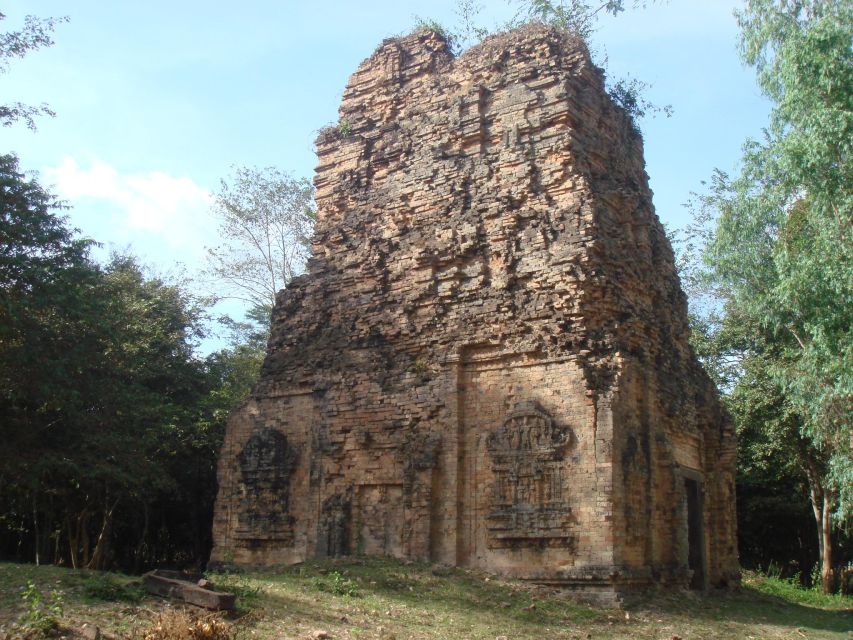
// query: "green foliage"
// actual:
[[41, 614], [232, 373], [578, 16], [110, 422], [337, 584], [426, 24], [344, 128], [35, 34], [775, 314], [111, 425], [791, 591], [468, 31], [783, 242], [420, 367], [775, 519], [629, 93]]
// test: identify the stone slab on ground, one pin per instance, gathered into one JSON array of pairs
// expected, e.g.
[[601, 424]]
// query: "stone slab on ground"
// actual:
[[168, 585]]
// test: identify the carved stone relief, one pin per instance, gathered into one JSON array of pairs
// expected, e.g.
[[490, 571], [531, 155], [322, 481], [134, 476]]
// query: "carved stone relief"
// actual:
[[381, 520], [266, 464], [333, 532], [528, 507]]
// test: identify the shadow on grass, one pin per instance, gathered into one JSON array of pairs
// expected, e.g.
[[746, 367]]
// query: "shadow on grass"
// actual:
[[457, 594], [284, 607], [443, 592], [749, 606]]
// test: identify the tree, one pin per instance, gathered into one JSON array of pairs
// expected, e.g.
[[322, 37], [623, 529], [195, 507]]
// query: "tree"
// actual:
[[266, 218], [110, 423], [782, 250], [35, 34], [776, 468], [42, 264]]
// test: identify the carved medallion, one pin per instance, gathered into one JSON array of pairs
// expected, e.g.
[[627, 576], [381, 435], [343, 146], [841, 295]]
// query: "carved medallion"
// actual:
[[528, 508], [266, 464]]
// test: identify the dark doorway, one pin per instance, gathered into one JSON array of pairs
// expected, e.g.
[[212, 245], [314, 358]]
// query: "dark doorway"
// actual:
[[695, 534]]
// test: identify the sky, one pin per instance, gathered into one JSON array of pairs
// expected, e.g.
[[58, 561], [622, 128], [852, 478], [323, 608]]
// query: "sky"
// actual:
[[156, 101]]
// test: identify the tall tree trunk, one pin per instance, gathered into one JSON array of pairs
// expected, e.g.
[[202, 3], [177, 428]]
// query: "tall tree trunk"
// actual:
[[137, 561], [822, 508], [73, 541], [78, 536], [36, 526], [826, 576], [83, 535], [99, 555], [57, 554]]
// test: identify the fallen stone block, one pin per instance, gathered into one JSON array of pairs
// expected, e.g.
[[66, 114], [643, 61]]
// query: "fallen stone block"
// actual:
[[168, 584]]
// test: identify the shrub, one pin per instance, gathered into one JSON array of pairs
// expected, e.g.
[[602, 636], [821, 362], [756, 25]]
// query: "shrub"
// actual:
[[42, 615], [338, 584]]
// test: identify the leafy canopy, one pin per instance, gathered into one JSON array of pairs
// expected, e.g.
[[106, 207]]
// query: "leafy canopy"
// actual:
[[784, 241], [108, 418]]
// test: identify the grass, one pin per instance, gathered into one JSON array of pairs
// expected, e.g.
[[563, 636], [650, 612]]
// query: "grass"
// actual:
[[383, 600], [791, 591], [112, 601]]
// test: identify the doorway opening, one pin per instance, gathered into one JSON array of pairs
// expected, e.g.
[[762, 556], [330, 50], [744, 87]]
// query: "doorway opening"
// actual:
[[695, 533]]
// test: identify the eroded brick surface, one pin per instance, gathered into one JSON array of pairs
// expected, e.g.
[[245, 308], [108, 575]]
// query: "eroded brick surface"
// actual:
[[487, 362]]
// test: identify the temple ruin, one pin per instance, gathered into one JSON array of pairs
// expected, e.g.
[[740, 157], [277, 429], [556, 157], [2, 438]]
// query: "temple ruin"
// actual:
[[486, 364]]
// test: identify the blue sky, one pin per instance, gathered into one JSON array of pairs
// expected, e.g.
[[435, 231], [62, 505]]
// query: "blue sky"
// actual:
[[156, 100]]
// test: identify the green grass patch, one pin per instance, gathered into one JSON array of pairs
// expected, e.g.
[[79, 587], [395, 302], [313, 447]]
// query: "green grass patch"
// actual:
[[791, 591], [112, 601], [247, 590], [378, 599], [108, 587]]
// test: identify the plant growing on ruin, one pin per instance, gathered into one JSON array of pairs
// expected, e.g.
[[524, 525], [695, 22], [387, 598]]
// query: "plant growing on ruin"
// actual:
[[576, 16], [581, 17]]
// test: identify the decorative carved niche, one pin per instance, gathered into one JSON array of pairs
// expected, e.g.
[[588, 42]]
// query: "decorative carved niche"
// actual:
[[266, 462], [333, 531], [528, 506]]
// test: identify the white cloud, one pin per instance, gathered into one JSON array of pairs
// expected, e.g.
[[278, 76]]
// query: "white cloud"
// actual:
[[163, 216]]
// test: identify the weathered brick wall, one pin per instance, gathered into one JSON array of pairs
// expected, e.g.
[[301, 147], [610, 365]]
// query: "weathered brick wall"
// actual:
[[487, 362]]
